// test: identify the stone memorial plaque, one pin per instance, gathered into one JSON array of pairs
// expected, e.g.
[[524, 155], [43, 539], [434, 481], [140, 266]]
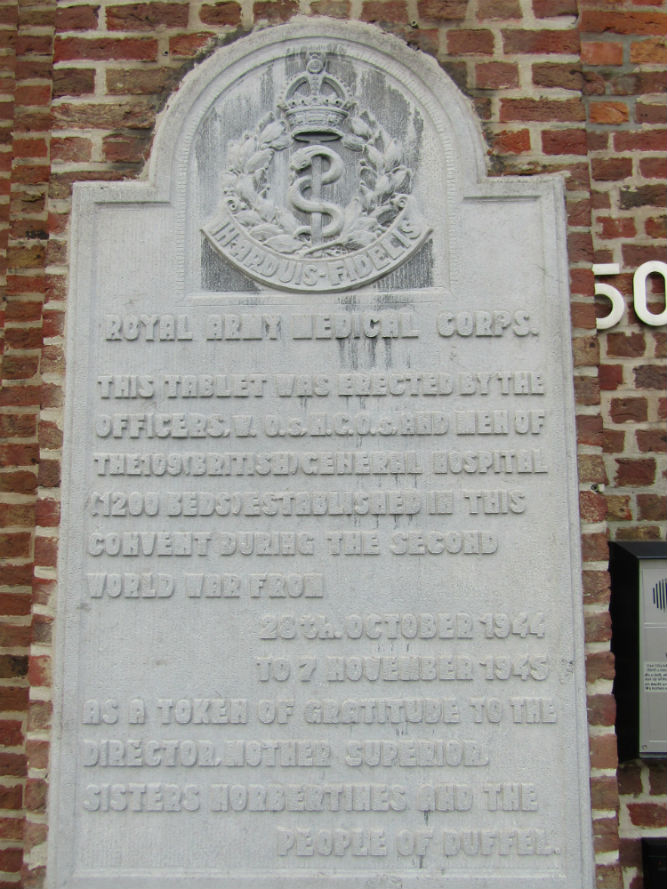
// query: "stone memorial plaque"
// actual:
[[319, 606]]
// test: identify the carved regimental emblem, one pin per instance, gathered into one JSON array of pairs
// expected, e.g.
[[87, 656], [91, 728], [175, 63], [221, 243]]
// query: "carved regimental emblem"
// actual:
[[335, 224]]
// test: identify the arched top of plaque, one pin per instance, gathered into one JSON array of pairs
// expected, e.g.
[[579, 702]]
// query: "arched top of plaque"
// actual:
[[317, 156]]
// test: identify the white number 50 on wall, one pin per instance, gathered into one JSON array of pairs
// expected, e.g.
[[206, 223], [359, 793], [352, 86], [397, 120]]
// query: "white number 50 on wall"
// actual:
[[639, 291]]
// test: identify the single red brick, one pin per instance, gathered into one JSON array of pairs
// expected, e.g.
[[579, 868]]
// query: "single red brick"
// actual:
[[496, 75], [105, 49], [652, 507], [188, 45], [13, 666], [126, 148], [15, 545], [541, 109], [512, 141], [11, 798], [46, 552], [39, 672], [35, 15], [599, 53], [498, 9], [30, 147], [39, 715], [637, 472], [600, 200], [17, 367], [631, 83], [617, 227], [657, 779], [49, 473], [579, 213], [15, 603], [17, 425], [656, 227], [594, 548], [10, 860], [644, 196], [598, 626], [626, 345], [38, 753], [608, 112], [611, 376], [591, 469], [226, 13], [470, 41], [629, 410], [47, 513], [558, 74], [73, 82], [606, 842], [593, 506], [586, 390], [648, 814], [650, 113], [36, 791], [580, 247], [11, 828], [147, 16], [20, 515], [595, 21], [50, 435], [651, 440], [586, 351], [30, 68], [595, 586], [613, 441], [611, 169], [589, 430], [619, 507], [547, 9], [71, 148], [76, 18], [660, 344], [120, 115], [651, 51], [442, 10], [140, 81], [275, 10], [600, 665], [21, 482], [582, 282], [636, 254], [337, 9], [646, 140], [540, 42], [42, 630], [598, 141], [33, 44], [604, 789], [639, 532]]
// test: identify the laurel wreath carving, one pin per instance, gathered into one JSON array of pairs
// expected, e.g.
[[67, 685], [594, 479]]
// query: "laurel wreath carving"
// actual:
[[384, 188]]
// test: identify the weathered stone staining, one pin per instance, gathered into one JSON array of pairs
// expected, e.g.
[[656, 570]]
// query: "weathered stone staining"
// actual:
[[319, 572]]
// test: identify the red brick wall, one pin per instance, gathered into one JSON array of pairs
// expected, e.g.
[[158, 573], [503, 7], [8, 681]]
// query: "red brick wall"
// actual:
[[570, 86]]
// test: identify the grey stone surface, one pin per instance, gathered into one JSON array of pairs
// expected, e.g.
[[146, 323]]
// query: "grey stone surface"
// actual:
[[319, 606]]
